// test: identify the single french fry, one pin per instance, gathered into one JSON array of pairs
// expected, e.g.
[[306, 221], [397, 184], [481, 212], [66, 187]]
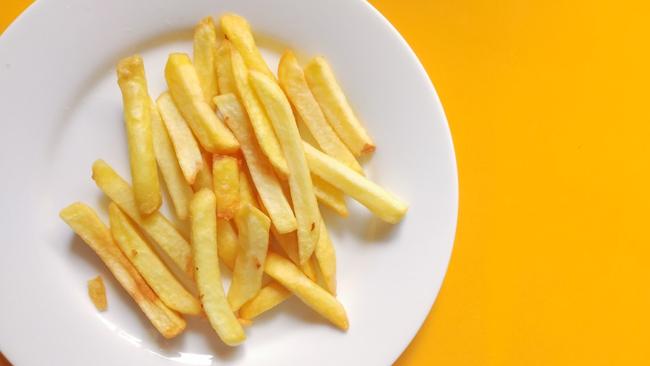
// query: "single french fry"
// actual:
[[185, 146], [292, 80], [204, 177], [266, 182], [225, 175], [228, 242], [335, 107], [325, 256], [269, 297], [137, 118], [380, 202], [155, 225], [223, 65], [152, 269], [314, 296], [246, 191], [178, 188], [205, 52], [97, 293], [185, 89], [249, 266], [238, 31], [330, 196], [266, 138], [85, 222], [302, 190], [203, 215], [309, 268]]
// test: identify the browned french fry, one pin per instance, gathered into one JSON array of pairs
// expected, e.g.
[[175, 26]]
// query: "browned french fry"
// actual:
[[225, 175], [97, 293], [84, 221], [239, 33], [205, 49], [204, 176], [269, 296], [325, 256], [223, 65], [330, 196]]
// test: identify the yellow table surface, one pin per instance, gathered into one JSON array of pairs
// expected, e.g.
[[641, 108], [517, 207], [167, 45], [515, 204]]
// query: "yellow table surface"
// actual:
[[548, 103]]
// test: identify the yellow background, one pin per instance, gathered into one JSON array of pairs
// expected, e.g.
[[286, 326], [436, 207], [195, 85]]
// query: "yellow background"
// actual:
[[549, 107]]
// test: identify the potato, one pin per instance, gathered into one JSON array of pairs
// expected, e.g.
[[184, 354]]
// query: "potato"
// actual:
[[246, 191], [97, 293], [325, 256], [205, 52], [228, 242], [85, 222], [137, 118], [380, 202], [238, 31], [330, 196], [269, 297], [335, 107], [204, 177], [203, 215], [225, 175], [223, 66]]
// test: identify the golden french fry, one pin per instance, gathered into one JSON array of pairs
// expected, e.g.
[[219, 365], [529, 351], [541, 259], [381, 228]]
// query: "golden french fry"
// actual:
[[314, 296], [203, 215], [155, 225], [249, 266], [223, 65], [292, 80], [269, 296], [246, 190], [289, 244], [85, 222], [185, 89], [266, 182], [178, 188], [325, 256], [309, 268], [152, 269], [330, 196], [261, 125], [380, 202], [225, 175], [185, 146], [204, 177], [137, 118], [238, 31], [335, 107], [205, 52], [302, 190], [97, 293], [228, 242]]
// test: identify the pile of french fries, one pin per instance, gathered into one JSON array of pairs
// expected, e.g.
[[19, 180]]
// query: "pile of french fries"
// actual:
[[229, 140]]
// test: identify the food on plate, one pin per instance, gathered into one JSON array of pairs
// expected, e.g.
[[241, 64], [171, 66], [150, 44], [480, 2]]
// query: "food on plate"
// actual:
[[97, 293], [330, 196], [137, 118], [205, 51], [238, 31], [225, 175], [223, 66], [269, 296]]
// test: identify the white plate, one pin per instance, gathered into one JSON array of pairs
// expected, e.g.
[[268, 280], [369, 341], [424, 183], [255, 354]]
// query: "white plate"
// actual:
[[61, 110]]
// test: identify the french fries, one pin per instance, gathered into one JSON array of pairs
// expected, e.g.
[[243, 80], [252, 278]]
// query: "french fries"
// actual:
[[246, 190], [314, 296], [228, 242], [152, 269], [258, 118], [302, 190], [203, 215], [205, 52], [238, 31], [269, 297], [380, 202], [335, 106], [292, 80], [204, 177], [178, 188], [137, 118], [330, 196], [155, 225], [84, 221], [185, 146], [185, 89], [325, 256], [266, 182], [225, 175], [97, 293], [223, 65], [249, 266]]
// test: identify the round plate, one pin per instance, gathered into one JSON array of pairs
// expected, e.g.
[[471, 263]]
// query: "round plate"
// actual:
[[61, 109]]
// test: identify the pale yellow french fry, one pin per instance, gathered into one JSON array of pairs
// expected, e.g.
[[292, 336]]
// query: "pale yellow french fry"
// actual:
[[205, 52], [223, 65], [204, 177], [289, 244], [292, 80], [335, 107], [155, 225], [137, 118], [325, 256], [178, 188], [185, 89], [314, 296], [85, 222], [309, 268], [380, 202], [225, 175], [246, 190], [330, 196], [249, 266], [258, 118], [238, 31], [269, 297], [228, 242], [97, 293], [302, 190], [203, 215], [185, 146], [152, 269], [266, 182]]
